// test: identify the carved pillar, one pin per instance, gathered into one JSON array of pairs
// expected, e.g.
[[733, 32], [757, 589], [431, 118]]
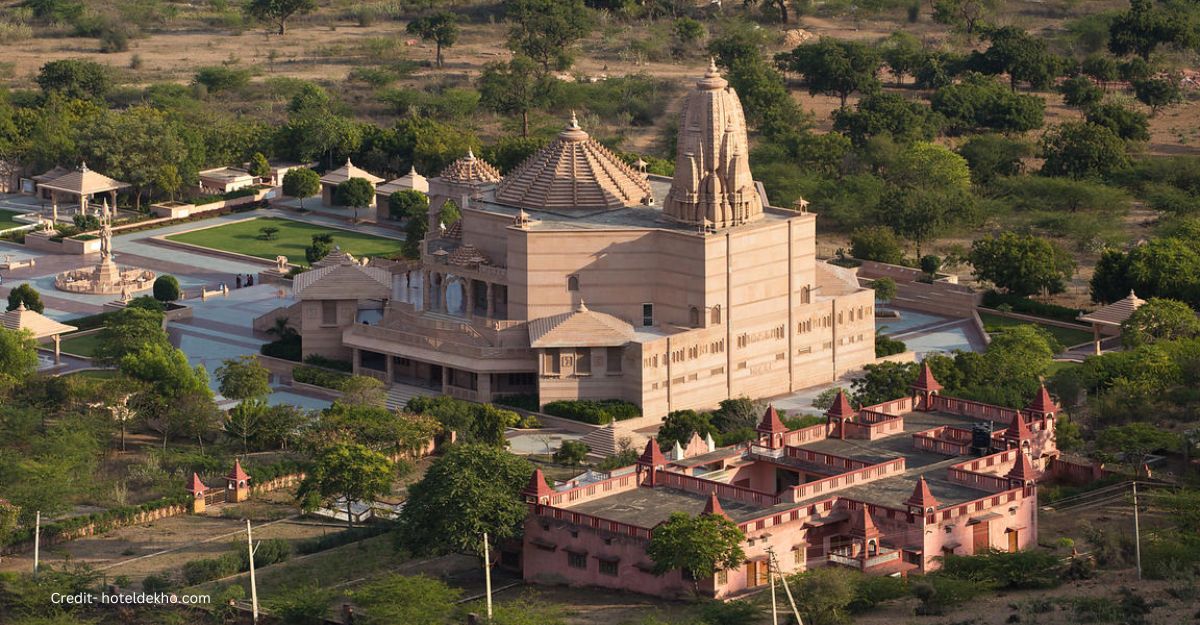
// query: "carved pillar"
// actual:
[[443, 286], [391, 369], [469, 306], [426, 290], [491, 302]]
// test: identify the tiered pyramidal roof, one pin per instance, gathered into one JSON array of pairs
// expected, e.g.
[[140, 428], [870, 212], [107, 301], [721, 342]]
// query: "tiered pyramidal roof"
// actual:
[[470, 170], [574, 172], [712, 184]]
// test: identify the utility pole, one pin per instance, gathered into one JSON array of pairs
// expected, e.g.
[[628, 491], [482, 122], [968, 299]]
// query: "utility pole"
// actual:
[[37, 539], [250, 549], [1137, 532], [771, 578], [786, 589], [487, 575]]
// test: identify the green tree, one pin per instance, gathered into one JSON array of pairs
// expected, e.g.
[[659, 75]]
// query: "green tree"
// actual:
[[779, 6], [1165, 267], [1082, 150], [1101, 68], [883, 382], [244, 421], [547, 30], [968, 15], [166, 288], [826, 594], [679, 425], [356, 193], [168, 180], [350, 472], [1123, 121], [887, 113], [415, 600], [513, 88], [834, 67], [1080, 91], [134, 145], [408, 204], [1144, 27], [1157, 93], [571, 452], [278, 12], [697, 545], [1023, 57], [877, 243], [509, 152], [994, 156], [75, 79], [1022, 264], [903, 53], [126, 331], [885, 289], [301, 182], [980, 101], [260, 167], [1136, 442], [469, 490], [440, 28], [930, 193], [25, 294], [18, 356], [243, 377], [217, 78], [1159, 319], [686, 35]]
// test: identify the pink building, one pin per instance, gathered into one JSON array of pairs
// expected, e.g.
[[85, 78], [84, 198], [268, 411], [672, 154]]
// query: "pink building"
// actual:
[[885, 489]]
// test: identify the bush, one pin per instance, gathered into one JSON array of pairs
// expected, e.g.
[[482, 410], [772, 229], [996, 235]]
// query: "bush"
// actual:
[[166, 288], [524, 402], [938, 592], [571, 452], [287, 348], [337, 539], [1021, 570], [220, 78], [887, 346], [596, 412], [994, 299], [157, 583], [114, 39], [270, 551], [320, 377], [206, 570], [877, 243], [318, 360]]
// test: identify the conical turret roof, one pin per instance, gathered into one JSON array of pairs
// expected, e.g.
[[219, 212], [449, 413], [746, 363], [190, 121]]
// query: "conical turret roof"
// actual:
[[926, 381], [537, 486], [1017, 429], [922, 497], [841, 407], [573, 172], [470, 170], [713, 506], [653, 455], [1042, 402], [771, 423], [1023, 470]]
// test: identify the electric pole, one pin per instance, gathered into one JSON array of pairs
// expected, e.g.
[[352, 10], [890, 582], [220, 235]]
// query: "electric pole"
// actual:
[[37, 539], [253, 584], [487, 575], [1137, 532]]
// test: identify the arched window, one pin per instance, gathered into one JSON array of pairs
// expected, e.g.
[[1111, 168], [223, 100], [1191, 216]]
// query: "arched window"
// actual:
[[694, 316], [805, 296], [573, 283], [716, 314]]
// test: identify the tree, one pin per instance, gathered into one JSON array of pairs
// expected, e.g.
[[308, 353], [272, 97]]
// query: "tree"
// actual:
[[25, 294], [355, 193], [409, 599], [260, 167], [781, 6], [981, 102], [126, 331], [687, 33], [268, 233], [279, 12], [18, 355], [1082, 150], [301, 182], [1144, 27], [679, 425], [834, 67], [243, 378], [350, 472], [408, 204], [826, 594], [930, 192], [1136, 442], [1159, 319], [75, 79], [993, 156], [546, 30], [887, 113], [1023, 57], [1123, 121], [134, 145], [513, 88], [571, 452], [883, 382], [244, 421], [965, 14], [877, 243], [1101, 68], [168, 180], [166, 288], [1164, 267], [440, 28], [469, 490], [1022, 264], [697, 545], [885, 289], [903, 53], [1080, 91], [1157, 93]]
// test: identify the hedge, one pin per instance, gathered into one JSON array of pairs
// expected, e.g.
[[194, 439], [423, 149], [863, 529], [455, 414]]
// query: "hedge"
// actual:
[[286, 349], [270, 551], [267, 472], [103, 521], [887, 346], [318, 360], [320, 377], [1024, 305], [596, 412], [524, 402], [337, 539]]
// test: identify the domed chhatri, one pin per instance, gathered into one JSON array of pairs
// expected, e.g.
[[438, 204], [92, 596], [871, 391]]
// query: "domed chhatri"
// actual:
[[574, 172], [712, 162], [106, 278]]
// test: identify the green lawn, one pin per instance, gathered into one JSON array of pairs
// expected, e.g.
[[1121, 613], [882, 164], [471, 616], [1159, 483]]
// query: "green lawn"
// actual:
[[7, 221], [81, 345], [293, 236], [1066, 336]]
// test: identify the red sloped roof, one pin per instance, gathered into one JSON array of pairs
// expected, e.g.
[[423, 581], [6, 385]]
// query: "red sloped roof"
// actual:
[[1018, 429], [926, 381], [1022, 470], [863, 525], [1042, 402], [922, 497], [538, 486], [841, 406], [196, 486], [652, 456], [771, 423], [237, 474], [713, 506]]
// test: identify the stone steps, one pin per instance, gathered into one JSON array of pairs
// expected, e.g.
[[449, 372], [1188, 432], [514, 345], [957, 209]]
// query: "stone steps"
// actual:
[[399, 394]]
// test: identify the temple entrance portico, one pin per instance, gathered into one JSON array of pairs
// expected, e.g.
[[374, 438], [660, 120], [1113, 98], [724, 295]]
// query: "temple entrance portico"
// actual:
[[459, 382], [462, 295]]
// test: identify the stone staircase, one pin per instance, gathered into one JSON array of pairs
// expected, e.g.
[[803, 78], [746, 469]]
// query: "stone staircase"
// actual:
[[399, 394]]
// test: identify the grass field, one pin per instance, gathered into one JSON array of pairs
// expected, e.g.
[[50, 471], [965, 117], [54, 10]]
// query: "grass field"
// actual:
[[1066, 336], [81, 345], [293, 236], [7, 221]]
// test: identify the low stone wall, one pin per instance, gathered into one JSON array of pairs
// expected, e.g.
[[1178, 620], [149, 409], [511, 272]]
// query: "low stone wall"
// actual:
[[90, 529], [1041, 320]]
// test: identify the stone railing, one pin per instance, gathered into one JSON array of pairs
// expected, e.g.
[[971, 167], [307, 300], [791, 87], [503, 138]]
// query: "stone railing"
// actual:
[[584, 492], [728, 491], [594, 522], [850, 478], [806, 435], [973, 409], [829, 460], [977, 506]]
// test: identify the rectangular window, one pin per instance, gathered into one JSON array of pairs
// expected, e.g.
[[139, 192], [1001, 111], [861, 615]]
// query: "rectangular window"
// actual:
[[551, 364], [722, 577], [614, 359], [647, 314], [576, 560], [608, 567], [583, 361], [798, 555], [329, 313]]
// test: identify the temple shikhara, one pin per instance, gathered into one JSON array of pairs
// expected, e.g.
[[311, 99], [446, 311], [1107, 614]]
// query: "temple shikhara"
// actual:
[[578, 276], [885, 489]]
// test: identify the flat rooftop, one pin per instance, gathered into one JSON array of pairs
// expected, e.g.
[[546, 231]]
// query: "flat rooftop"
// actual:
[[647, 507], [898, 445]]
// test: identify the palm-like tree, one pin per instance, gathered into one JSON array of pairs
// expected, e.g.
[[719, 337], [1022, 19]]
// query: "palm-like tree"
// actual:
[[282, 329]]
